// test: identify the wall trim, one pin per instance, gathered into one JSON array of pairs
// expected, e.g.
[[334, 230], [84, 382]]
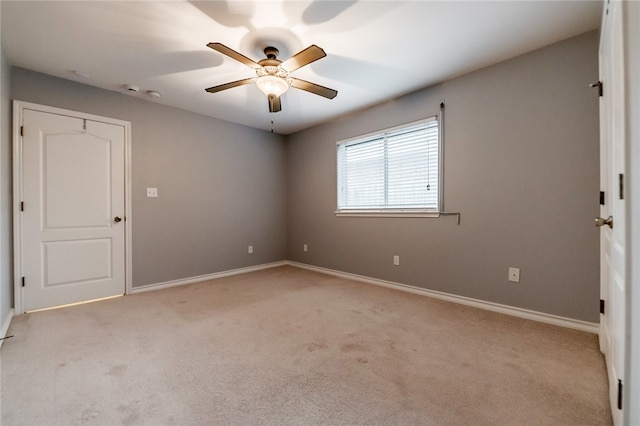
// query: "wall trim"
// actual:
[[5, 325], [207, 277], [476, 303]]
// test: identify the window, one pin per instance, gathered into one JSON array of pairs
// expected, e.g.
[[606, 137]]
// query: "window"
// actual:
[[396, 171]]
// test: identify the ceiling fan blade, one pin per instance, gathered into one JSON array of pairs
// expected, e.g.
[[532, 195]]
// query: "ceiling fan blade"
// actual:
[[316, 89], [219, 47], [274, 103], [225, 86], [302, 58]]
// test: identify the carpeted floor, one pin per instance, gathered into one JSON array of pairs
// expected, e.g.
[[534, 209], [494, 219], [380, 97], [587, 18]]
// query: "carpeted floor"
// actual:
[[289, 346]]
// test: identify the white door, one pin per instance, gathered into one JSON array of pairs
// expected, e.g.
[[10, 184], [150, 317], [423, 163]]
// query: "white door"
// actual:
[[612, 175], [73, 195]]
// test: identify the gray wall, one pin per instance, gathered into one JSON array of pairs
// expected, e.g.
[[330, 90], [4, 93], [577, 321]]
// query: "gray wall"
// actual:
[[221, 186], [521, 165], [6, 232]]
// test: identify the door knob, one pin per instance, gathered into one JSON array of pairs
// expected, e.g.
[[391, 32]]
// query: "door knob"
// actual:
[[117, 219], [608, 221]]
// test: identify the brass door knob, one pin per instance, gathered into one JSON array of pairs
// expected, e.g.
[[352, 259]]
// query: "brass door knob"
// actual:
[[608, 221], [117, 219]]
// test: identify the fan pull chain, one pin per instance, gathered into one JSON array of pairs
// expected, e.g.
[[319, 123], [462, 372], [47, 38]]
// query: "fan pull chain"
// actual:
[[271, 126]]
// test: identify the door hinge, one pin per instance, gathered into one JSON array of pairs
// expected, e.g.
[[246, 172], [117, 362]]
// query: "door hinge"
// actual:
[[619, 394], [21, 130], [602, 306], [22, 281], [621, 183], [599, 86], [21, 206], [602, 198]]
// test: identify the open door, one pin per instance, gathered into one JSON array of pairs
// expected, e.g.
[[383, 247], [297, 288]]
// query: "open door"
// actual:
[[612, 221]]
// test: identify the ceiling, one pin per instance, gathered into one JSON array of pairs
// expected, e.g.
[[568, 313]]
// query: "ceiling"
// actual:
[[376, 50]]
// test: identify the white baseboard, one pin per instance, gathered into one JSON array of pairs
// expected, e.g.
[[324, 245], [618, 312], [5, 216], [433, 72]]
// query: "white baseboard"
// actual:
[[5, 325], [476, 303], [215, 275], [481, 304]]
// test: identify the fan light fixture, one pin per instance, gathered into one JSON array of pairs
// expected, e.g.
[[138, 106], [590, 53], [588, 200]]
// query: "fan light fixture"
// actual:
[[271, 85]]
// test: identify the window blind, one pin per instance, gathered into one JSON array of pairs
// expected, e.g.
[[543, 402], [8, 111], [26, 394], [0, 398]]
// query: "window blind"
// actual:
[[393, 170]]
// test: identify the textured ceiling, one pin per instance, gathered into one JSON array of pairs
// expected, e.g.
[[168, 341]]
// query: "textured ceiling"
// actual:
[[376, 50]]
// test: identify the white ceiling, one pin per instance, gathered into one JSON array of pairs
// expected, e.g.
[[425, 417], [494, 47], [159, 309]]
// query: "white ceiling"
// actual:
[[376, 50]]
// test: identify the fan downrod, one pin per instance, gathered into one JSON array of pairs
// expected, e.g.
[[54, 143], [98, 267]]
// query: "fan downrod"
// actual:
[[271, 52]]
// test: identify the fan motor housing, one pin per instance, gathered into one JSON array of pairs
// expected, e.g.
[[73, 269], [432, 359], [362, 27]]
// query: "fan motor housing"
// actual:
[[271, 63]]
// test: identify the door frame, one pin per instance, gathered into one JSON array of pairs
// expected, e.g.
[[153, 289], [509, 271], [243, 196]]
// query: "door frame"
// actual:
[[18, 110]]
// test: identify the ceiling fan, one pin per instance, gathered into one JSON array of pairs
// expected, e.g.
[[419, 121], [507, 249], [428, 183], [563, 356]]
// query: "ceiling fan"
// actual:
[[273, 76]]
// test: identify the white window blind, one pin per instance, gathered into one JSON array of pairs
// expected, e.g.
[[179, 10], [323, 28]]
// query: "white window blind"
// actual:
[[395, 170]]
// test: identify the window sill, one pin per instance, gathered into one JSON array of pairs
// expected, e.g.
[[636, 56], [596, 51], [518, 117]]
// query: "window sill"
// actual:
[[382, 213]]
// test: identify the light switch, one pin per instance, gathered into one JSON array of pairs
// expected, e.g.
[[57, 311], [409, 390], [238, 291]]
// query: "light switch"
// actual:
[[152, 192]]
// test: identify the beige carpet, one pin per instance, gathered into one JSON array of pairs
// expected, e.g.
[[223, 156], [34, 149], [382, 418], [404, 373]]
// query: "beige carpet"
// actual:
[[288, 346]]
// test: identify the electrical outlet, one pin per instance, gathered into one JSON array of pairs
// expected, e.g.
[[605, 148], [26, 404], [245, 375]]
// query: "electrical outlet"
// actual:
[[396, 260], [514, 275], [152, 192], [250, 249], [305, 248]]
